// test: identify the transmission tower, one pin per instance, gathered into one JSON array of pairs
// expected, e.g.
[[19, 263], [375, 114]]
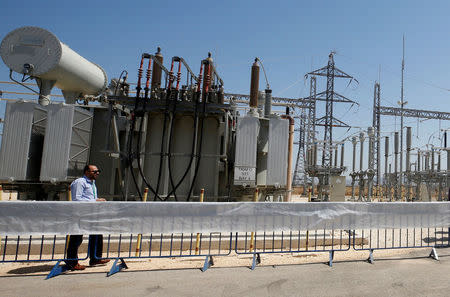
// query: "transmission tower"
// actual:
[[300, 176], [312, 112], [328, 121], [376, 125], [309, 122]]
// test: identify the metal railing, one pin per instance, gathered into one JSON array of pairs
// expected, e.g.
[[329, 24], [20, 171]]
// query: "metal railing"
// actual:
[[139, 246]]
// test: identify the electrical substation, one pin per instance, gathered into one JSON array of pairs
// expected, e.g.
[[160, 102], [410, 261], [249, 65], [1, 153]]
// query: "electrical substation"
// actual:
[[176, 131]]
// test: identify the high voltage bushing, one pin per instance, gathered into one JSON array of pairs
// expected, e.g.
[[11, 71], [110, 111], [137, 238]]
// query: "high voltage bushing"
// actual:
[[354, 142], [361, 152], [386, 168], [361, 173], [268, 103], [396, 151], [254, 84], [439, 161], [371, 133], [418, 160], [432, 159], [396, 164], [370, 172], [156, 72], [408, 149], [335, 156], [353, 174], [315, 153], [342, 155]]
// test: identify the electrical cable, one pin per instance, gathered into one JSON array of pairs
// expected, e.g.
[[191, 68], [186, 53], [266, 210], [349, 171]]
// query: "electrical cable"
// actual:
[[202, 120], [138, 144], [194, 138], [130, 156], [163, 137], [18, 82], [172, 122], [118, 81]]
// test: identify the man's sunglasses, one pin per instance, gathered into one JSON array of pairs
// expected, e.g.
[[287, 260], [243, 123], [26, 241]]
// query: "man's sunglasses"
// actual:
[[96, 171]]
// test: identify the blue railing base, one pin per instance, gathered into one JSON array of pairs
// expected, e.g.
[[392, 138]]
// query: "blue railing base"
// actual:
[[117, 267], [330, 262], [434, 254], [256, 260], [208, 263], [370, 259], [57, 270]]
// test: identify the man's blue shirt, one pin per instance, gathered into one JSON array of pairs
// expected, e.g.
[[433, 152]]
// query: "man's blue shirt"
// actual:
[[83, 189]]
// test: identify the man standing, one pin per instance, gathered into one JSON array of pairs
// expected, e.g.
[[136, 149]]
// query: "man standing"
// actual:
[[84, 189]]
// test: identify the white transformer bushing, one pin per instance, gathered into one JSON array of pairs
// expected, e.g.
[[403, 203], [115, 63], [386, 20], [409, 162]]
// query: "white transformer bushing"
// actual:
[[39, 53]]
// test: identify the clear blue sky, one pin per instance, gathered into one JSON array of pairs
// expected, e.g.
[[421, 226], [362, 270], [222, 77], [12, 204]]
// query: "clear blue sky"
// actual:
[[290, 37]]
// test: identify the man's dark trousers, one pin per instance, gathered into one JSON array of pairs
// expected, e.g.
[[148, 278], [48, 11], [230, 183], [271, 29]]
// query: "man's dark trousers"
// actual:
[[95, 248]]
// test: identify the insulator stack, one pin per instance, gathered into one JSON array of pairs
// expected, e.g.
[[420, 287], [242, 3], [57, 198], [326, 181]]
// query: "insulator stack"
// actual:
[[408, 149], [148, 74], [386, 153], [254, 85], [221, 96], [157, 71], [335, 156], [140, 71], [268, 103], [315, 154], [354, 142], [199, 83], [361, 151], [419, 156], [396, 141], [178, 80], [171, 76], [208, 77], [432, 159]]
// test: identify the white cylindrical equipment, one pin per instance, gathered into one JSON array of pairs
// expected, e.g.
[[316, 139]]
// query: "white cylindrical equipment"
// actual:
[[39, 53]]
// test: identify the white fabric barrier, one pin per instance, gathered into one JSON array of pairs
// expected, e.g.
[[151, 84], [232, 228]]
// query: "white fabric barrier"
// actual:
[[49, 218]]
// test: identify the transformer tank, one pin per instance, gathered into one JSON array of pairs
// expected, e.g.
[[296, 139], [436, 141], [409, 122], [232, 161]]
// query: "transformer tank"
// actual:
[[174, 140]]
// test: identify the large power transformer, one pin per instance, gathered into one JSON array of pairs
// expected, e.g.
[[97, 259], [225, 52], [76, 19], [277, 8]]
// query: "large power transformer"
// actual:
[[173, 139]]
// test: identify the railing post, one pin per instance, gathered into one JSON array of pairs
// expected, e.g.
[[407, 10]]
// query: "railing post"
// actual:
[[197, 241], [69, 198], [139, 238], [1, 198], [252, 237], [307, 231]]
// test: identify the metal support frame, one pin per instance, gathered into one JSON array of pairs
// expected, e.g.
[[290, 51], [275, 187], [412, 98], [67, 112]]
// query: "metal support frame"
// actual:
[[117, 267], [370, 259], [434, 254], [256, 260], [57, 270], [208, 263], [414, 113], [330, 261]]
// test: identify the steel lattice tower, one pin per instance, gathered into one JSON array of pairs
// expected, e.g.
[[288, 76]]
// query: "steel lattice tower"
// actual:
[[310, 123], [312, 112], [328, 121], [376, 125], [300, 176]]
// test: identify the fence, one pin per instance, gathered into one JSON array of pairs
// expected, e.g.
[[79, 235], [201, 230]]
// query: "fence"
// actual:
[[296, 228]]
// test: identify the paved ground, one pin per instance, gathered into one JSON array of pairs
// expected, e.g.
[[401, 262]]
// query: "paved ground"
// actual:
[[413, 275]]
